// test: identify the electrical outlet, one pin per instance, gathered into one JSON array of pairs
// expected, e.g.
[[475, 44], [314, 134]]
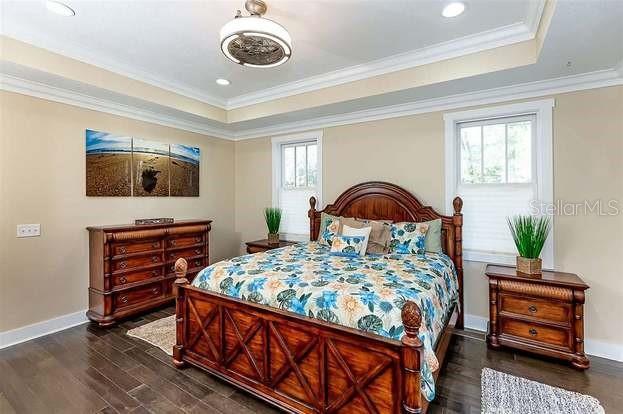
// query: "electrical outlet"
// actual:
[[28, 230]]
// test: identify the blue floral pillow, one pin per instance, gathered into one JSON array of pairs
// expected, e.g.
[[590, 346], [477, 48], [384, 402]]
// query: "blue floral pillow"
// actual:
[[331, 228], [348, 246], [408, 238]]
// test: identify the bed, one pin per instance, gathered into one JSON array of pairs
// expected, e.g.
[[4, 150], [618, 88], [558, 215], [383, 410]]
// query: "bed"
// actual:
[[292, 326]]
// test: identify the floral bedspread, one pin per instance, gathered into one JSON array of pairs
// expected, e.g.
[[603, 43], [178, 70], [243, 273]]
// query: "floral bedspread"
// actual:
[[365, 293]]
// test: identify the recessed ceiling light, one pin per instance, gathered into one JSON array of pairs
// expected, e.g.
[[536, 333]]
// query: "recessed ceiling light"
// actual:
[[453, 9], [60, 8], [222, 82]]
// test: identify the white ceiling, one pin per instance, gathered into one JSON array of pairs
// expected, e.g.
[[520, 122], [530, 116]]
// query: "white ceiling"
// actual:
[[174, 44]]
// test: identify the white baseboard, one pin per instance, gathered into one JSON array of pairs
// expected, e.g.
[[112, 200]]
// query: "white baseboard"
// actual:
[[591, 347], [26, 333]]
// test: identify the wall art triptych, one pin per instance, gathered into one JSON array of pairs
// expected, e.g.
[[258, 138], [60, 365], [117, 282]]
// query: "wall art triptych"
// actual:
[[123, 166]]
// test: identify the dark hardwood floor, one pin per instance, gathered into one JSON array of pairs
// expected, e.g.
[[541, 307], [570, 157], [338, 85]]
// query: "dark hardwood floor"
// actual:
[[87, 369]]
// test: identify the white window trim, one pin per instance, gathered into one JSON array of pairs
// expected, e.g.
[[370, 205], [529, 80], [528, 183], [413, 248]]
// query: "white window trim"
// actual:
[[544, 164], [277, 164]]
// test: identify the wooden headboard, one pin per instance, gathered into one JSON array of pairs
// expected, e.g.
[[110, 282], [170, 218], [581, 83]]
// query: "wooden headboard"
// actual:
[[376, 200]]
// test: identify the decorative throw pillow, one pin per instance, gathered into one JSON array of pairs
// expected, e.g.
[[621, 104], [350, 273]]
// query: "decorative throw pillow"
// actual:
[[432, 243], [329, 229], [380, 235], [363, 232], [408, 238], [347, 246]]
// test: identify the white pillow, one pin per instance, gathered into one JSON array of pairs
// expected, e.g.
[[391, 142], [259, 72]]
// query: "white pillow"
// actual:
[[364, 231]]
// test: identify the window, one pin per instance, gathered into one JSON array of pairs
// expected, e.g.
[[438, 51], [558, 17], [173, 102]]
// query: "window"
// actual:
[[499, 160], [296, 178]]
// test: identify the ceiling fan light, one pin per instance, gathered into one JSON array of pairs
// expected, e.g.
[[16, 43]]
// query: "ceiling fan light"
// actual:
[[255, 41]]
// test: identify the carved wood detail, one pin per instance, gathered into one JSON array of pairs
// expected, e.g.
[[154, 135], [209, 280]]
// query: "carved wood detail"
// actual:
[[553, 292]]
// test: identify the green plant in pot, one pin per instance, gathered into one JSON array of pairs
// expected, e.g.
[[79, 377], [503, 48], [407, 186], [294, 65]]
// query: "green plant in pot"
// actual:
[[273, 220], [529, 234]]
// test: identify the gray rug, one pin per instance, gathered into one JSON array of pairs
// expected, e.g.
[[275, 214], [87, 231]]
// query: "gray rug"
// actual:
[[506, 394], [160, 333]]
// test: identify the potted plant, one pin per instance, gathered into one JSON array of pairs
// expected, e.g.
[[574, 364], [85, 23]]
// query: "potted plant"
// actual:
[[529, 234], [273, 220]]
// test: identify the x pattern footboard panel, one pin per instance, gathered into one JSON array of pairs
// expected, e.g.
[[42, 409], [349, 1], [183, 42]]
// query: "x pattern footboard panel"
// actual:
[[293, 362]]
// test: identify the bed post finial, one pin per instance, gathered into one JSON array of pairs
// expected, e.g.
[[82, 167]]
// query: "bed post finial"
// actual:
[[457, 203], [412, 355], [181, 267], [312, 219], [457, 222]]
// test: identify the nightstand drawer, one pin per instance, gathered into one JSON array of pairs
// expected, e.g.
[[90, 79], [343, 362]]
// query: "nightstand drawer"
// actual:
[[537, 308], [540, 333]]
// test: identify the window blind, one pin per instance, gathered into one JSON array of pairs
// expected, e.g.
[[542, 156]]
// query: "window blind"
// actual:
[[496, 179]]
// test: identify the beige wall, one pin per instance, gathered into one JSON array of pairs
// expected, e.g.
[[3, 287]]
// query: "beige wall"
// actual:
[[42, 174], [409, 151]]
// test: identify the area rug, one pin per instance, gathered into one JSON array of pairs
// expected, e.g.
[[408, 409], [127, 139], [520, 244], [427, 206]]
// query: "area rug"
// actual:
[[506, 394], [160, 333]]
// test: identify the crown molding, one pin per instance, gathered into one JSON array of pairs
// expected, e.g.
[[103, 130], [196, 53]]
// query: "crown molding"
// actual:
[[503, 36], [591, 80], [535, 12], [40, 90]]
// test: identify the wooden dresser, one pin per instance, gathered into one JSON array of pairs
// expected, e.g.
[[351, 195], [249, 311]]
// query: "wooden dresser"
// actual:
[[542, 314], [132, 267]]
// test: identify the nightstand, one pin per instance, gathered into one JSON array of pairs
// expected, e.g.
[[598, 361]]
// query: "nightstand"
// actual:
[[543, 314], [263, 245]]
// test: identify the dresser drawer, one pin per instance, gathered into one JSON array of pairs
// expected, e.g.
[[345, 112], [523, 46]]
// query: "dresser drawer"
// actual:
[[132, 277], [133, 262], [138, 295], [185, 240], [136, 247], [186, 253], [536, 308], [540, 333]]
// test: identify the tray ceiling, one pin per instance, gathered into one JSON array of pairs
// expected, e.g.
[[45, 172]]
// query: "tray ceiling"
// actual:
[[174, 44]]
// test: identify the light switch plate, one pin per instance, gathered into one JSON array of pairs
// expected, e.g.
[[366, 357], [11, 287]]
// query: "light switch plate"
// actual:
[[28, 230]]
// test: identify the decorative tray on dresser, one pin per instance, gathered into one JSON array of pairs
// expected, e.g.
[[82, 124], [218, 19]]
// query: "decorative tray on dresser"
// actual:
[[132, 268], [542, 314]]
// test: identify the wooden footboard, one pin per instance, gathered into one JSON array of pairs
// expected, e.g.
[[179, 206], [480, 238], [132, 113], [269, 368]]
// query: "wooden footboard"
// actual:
[[298, 364]]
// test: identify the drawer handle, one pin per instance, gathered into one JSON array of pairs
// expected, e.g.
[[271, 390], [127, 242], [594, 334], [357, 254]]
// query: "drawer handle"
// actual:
[[172, 268], [123, 265], [197, 251], [155, 245], [154, 259], [532, 308], [122, 279], [197, 262], [123, 299], [197, 239], [122, 250], [172, 242], [155, 272], [155, 291], [172, 255], [532, 331]]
